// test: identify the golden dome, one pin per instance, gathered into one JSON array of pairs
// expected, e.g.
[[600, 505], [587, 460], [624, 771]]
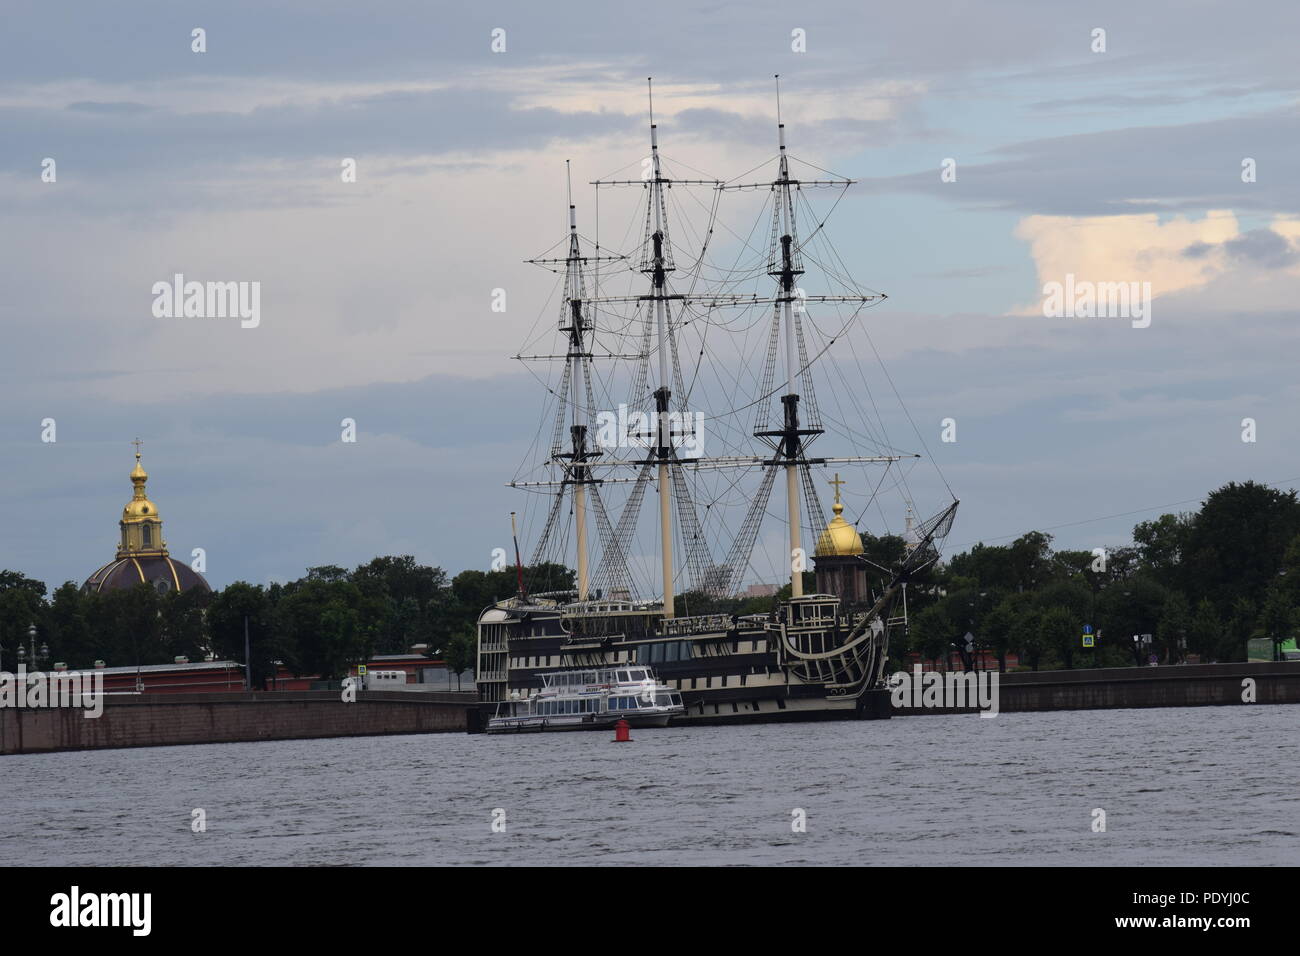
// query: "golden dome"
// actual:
[[139, 506], [840, 538]]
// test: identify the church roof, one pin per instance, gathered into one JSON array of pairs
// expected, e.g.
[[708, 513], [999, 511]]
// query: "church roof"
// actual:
[[142, 553], [160, 571]]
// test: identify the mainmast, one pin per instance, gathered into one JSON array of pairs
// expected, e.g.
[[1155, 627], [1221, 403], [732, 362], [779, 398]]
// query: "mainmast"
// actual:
[[657, 268]]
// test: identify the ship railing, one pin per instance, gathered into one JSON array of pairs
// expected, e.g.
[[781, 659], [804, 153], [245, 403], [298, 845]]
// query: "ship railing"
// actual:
[[695, 625]]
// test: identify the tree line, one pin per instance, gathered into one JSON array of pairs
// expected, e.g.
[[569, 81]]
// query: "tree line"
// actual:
[[319, 624], [1199, 583]]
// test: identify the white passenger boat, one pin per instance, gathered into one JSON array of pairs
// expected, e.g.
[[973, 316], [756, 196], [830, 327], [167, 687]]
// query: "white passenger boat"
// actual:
[[589, 700]]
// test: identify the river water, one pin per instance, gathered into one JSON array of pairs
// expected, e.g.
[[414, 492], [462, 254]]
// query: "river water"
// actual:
[[1195, 786]]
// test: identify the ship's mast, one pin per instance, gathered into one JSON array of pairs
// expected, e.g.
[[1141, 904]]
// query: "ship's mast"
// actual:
[[657, 270], [790, 441], [575, 393], [579, 401], [785, 271]]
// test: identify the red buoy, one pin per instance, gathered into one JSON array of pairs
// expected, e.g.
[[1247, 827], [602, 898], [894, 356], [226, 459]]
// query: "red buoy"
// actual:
[[621, 734]]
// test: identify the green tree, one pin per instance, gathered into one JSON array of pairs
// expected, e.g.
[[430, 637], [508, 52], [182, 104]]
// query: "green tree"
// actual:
[[931, 634], [1278, 619], [460, 654], [1174, 629], [1027, 635], [996, 631], [22, 604], [126, 626], [183, 627], [1239, 630], [1060, 632], [225, 624], [1237, 544], [1161, 544], [1206, 631], [323, 624], [68, 628]]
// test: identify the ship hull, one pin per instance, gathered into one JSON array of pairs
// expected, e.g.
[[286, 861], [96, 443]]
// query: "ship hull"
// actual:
[[804, 662], [527, 725]]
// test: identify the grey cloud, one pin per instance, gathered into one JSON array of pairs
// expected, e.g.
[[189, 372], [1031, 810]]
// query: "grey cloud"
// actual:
[[1263, 247], [1260, 247], [1193, 166], [94, 106]]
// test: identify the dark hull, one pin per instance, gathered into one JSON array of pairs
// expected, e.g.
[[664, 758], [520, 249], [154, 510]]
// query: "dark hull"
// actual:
[[542, 725], [808, 663]]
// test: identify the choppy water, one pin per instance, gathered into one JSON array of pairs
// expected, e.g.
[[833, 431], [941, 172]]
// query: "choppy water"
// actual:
[[1211, 785]]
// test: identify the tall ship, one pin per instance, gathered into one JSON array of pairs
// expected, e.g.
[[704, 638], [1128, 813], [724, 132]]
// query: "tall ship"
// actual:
[[686, 370]]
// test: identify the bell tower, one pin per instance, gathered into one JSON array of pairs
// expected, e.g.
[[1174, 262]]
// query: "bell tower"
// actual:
[[141, 525]]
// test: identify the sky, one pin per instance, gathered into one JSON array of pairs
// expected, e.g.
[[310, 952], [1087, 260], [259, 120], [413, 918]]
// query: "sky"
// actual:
[[1122, 164]]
